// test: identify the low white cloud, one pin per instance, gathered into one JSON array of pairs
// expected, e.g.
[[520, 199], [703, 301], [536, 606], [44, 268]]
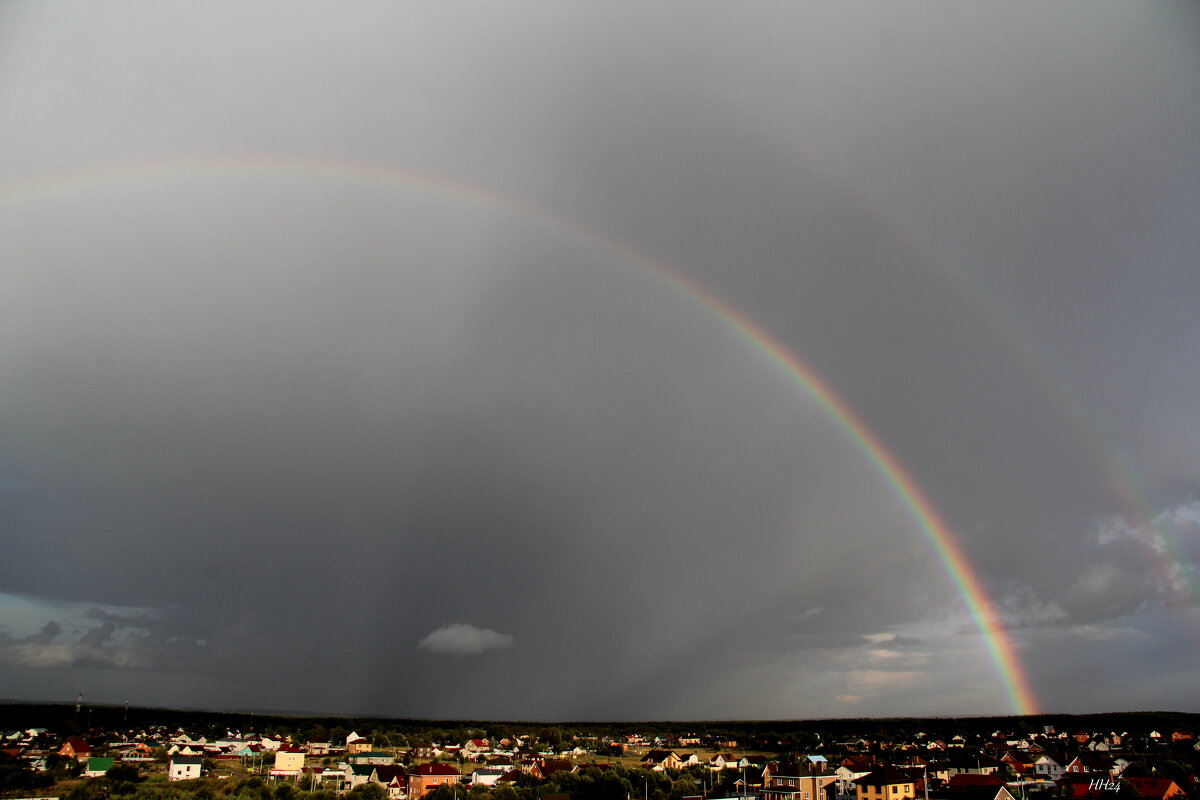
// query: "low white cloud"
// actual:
[[49, 650], [47, 633], [464, 640]]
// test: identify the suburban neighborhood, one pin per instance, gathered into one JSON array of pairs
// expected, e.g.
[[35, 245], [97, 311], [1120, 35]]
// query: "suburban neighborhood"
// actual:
[[547, 762]]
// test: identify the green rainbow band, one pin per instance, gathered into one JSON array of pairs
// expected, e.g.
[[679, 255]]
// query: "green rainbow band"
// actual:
[[936, 531]]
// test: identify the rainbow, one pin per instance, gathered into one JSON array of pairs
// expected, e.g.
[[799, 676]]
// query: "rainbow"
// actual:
[[950, 268], [903, 484]]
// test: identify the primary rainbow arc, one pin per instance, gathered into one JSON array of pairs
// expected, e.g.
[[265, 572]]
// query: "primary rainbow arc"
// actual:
[[902, 483]]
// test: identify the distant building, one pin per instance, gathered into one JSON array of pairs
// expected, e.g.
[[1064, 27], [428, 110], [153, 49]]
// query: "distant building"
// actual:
[[371, 757], [184, 768], [427, 777], [96, 767], [77, 749], [886, 783], [288, 761]]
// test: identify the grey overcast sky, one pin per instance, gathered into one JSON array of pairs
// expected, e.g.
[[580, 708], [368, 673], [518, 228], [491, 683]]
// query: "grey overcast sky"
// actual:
[[346, 363]]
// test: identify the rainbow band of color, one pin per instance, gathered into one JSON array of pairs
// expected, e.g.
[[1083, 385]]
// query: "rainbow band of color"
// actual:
[[935, 529], [941, 538]]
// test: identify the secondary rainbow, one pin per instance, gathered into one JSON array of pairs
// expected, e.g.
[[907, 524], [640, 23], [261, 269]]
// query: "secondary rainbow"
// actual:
[[935, 529]]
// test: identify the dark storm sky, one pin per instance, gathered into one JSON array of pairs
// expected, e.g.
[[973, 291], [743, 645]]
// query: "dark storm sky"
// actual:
[[335, 375]]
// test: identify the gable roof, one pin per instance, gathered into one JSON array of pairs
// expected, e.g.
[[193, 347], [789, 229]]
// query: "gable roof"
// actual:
[[434, 769], [885, 776], [385, 773], [1154, 787]]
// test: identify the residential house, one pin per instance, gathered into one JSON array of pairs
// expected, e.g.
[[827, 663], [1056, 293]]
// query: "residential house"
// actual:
[[662, 760], [358, 774], [1050, 767], [486, 776], [476, 747], [77, 749], [186, 750], [427, 777], [135, 751], [787, 785], [393, 778], [317, 778], [967, 786], [288, 761], [1155, 788], [96, 767], [886, 783], [722, 761], [184, 768], [1090, 762], [1020, 762], [848, 772], [502, 763], [545, 767], [371, 757], [964, 762], [251, 750]]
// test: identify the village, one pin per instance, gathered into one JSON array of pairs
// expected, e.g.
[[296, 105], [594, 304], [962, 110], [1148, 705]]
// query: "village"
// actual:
[[170, 764]]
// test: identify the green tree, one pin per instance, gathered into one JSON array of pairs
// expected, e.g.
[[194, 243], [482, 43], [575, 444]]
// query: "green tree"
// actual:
[[91, 789], [367, 791], [15, 774], [61, 767], [123, 772]]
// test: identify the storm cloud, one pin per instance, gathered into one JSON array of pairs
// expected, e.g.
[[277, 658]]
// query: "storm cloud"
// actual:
[[320, 329]]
